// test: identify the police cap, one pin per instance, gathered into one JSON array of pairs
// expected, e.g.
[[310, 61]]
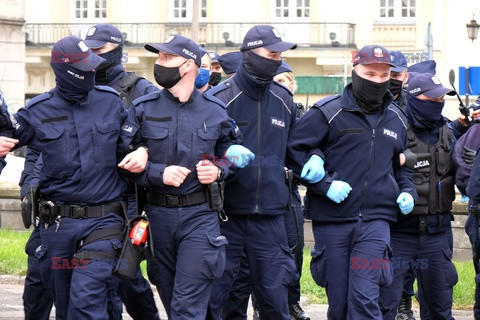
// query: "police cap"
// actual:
[[265, 36], [98, 35], [180, 46], [73, 51]]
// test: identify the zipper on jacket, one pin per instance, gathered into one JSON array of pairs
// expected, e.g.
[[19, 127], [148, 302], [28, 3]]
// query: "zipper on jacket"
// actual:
[[259, 147]]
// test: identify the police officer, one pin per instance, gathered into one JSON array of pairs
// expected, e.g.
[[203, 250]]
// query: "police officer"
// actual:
[[422, 239], [257, 198], [202, 80], [215, 69], [398, 78], [186, 133], [106, 41], [78, 126], [344, 149], [229, 62]]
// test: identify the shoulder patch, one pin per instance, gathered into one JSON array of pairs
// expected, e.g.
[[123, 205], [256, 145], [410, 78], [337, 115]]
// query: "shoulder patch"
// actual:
[[325, 100], [211, 98], [39, 98], [147, 97], [329, 110], [107, 89], [221, 86]]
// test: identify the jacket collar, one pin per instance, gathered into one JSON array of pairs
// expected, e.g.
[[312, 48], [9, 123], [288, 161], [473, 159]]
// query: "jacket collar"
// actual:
[[252, 87]]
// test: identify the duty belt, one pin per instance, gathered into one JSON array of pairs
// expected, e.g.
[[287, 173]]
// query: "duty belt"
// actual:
[[176, 201], [77, 212]]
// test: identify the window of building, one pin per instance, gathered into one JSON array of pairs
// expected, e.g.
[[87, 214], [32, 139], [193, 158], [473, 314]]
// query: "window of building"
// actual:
[[292, 8], [90, 9], [182, 9], [397, 9]]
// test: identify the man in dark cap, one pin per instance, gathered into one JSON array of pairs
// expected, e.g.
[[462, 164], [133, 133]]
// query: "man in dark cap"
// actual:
[[422, 240], [257, 198], [344, 149], [107, 42], [78, 128], [230, 62], [398, 78], [186, 132], [215, 69]]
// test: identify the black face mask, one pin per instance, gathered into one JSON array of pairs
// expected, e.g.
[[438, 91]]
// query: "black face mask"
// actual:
[[215, 78], [73, 83], [424, 113], [112, 58], [395, 86], [368, 94], [259, 67], [167, 77]]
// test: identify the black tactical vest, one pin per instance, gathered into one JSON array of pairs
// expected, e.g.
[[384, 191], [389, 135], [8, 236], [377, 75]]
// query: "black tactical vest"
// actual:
[[432, 175]]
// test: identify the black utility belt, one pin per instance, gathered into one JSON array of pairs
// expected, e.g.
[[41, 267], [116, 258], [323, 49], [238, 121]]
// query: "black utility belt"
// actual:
[[48, 208], [176, 201]]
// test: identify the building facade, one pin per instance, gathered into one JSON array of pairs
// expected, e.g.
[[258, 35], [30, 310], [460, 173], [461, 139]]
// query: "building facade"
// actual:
[[327, 32]]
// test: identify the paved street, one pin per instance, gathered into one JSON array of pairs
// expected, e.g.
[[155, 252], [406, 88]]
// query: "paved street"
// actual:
[[11, 308]]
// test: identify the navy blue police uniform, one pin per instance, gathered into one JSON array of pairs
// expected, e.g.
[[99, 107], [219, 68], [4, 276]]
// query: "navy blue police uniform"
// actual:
[[136, 293], [356, 230], [422, 240], [189, 249], [257, 198], [78, 129]]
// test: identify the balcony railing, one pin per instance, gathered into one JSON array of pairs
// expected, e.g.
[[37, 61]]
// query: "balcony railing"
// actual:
[[212, 34]]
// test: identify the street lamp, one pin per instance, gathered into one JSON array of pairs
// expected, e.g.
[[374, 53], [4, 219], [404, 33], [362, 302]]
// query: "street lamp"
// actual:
[[472, 29]]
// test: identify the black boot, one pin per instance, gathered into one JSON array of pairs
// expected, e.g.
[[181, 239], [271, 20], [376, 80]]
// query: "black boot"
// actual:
[[405, 309], [297, 313]]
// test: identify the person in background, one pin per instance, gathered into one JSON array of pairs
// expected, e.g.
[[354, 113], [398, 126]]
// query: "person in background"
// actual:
[[229, 62], [215, 69], [202, 80], [398, 78]]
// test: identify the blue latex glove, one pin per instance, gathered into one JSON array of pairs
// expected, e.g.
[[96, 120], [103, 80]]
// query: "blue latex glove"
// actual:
[[338, 191], [405, 202], [464, 199], [313, 170], [239, 155]]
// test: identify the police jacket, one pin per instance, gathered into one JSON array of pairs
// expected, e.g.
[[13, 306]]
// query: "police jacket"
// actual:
[[180, 134], [433, 177], [354, 152], [264, 112], [78, 143]]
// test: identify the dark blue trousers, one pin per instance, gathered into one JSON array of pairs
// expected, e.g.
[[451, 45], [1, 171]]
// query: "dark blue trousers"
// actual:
[[431, 255], [80, 289], [189, 255], [349, 261], [37, 297], [263, 239], [473, 231]]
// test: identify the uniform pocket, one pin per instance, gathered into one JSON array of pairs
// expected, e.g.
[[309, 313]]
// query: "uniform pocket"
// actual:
[[55, 141], [386, 268], [206, 139], [214, 259], [105, 139], [318, 266], [157, 138]]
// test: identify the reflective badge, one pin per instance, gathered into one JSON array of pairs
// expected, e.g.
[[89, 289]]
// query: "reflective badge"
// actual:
[[82, 46], [169, 39], [91, 31], [276, 33]]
